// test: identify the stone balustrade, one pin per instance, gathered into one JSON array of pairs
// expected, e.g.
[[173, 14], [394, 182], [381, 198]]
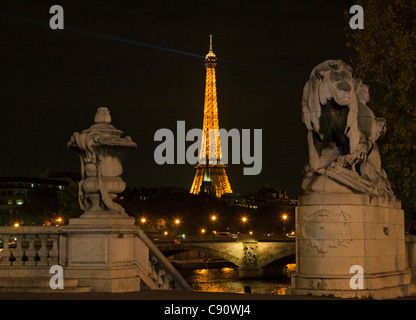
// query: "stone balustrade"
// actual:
[[28, 252], [29, 246]]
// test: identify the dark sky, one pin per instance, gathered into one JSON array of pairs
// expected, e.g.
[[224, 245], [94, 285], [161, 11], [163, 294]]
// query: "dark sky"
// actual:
[[52, 81]]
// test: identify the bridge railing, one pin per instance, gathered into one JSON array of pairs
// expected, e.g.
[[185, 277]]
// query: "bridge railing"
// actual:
[[29, 246], [162, 272], [29, 251], [219, 238]]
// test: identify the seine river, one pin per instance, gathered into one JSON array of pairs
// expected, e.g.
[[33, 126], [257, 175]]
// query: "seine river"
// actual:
[[226, 280]]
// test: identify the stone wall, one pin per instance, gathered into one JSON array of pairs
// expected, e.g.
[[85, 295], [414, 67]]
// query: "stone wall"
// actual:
[[411, 253]]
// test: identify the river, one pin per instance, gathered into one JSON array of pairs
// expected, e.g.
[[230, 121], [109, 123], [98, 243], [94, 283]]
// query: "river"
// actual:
[[226, 280]]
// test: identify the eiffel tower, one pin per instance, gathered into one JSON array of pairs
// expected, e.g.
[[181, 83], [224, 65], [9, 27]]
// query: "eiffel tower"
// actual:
[[211, 177]]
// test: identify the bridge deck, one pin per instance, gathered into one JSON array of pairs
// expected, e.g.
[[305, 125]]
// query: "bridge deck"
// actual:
[[164, 239]]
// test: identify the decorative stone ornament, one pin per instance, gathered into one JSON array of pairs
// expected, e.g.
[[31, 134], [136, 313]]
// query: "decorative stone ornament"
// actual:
[[101, 149]]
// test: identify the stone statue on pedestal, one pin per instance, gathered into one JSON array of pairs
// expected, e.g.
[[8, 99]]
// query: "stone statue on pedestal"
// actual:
[[348, 215], [342, 134]]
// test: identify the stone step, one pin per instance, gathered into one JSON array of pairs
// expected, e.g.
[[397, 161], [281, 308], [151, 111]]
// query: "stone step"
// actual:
[[46, 290], [33, 282], [39, 285]]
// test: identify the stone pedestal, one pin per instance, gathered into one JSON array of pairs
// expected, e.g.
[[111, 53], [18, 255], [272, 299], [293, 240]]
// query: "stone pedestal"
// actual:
[[335, 231], [104, 253]]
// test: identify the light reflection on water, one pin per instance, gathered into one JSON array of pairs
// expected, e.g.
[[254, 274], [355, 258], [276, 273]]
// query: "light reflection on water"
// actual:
[[226, 280]]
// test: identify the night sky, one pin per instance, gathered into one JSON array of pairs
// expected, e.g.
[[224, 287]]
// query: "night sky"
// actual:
[[52, 81]]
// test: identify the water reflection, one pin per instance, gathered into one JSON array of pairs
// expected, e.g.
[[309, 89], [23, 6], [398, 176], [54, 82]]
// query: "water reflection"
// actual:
[[226, 280]]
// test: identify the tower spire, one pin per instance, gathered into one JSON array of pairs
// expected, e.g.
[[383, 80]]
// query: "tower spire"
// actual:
[[211, 53]]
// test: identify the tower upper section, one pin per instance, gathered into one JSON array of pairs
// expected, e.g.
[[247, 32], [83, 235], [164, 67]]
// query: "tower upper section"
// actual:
[[210, 58], [211, 146]]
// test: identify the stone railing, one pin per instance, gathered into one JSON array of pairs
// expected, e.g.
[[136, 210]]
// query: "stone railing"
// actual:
[[28, 252], [29, 246], [161, 271]]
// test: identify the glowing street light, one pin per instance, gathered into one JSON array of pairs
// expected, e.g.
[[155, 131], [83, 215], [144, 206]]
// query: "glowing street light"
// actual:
[[203, 230], [213, 219], [244, 220], [284, 217], [16, 225], [177, 221], [143, 220], [58, 221]]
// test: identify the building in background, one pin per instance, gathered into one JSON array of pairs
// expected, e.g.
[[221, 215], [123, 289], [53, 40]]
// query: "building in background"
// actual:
[[15, 191]]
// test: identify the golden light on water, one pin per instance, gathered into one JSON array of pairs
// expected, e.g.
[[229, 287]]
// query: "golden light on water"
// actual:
[[226, 280]]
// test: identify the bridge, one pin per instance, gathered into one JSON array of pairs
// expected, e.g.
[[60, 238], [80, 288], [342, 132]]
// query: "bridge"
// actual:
[[255, 257]]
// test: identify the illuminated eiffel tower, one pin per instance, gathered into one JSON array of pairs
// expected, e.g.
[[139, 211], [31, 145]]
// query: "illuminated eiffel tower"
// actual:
[[211, 176]]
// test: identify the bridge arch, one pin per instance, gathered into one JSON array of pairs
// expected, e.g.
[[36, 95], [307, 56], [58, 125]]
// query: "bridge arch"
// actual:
[[247, 255], [288, 251], [176, 248]]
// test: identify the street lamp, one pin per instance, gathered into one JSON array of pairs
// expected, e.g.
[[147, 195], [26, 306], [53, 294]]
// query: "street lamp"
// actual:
[[58, 221], [213, 219], [143, 220], [177, 222], [284, 217], [244, 220]]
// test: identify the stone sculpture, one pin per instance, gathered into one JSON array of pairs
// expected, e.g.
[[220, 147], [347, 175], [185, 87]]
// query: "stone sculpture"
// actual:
[[101, 149], [342, 134]]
